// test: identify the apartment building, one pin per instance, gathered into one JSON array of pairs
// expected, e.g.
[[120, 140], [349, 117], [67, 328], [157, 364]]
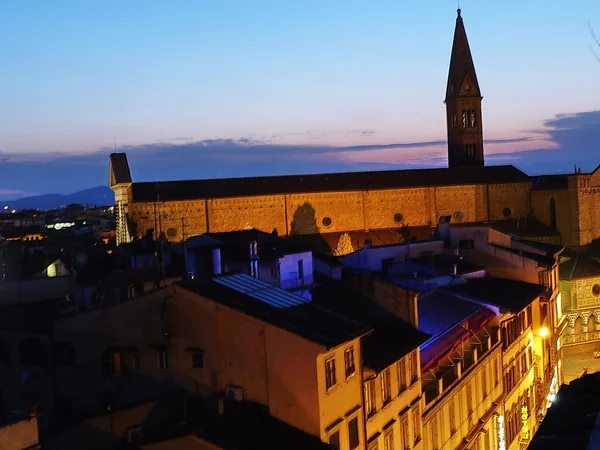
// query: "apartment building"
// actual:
[[461, 372]]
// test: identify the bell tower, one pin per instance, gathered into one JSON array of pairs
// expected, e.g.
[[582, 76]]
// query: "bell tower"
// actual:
[[463, 104]]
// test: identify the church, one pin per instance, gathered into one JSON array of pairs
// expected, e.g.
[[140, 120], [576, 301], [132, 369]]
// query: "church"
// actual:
[[566, 206]]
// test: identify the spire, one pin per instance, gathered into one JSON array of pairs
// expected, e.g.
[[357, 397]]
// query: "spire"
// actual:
[[462, 79]]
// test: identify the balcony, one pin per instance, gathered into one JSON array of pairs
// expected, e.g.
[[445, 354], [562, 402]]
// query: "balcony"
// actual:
[[292, 284], [458, 363]]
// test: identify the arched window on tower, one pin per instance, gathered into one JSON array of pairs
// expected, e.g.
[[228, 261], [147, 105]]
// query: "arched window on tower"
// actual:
[[552, 208]]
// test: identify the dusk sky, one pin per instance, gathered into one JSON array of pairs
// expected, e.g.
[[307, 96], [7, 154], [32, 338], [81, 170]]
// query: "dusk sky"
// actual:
[[219, 88]]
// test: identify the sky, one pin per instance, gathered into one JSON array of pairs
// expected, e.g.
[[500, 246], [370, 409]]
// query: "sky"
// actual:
[[221, 88]]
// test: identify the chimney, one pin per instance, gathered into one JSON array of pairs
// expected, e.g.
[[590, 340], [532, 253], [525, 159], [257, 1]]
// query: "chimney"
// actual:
[[216, 257]]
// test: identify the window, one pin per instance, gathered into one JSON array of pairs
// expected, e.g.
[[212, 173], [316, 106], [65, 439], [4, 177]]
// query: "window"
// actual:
[[402, 374], [350, 368], [470, 150], [452, 416], [404, 439], [135, 362], [198, 359], [412, 368], [596, 290], [416, 416], [507, 212], [398, 218], [353, 438], [163, 360], [484, 391], [370, 397], [469, 398], [334, 440], [326, 221], [466, 244], [552, 208], [434, 437], [453, 120], [464, 119], [330, 378], [111, 363], [386, 387], [388, 441]]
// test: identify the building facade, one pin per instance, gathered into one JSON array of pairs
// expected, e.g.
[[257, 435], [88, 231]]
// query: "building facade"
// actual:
[[309, 204]]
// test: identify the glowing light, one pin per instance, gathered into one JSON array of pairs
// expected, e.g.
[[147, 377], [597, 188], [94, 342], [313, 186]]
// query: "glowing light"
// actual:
[[543, 332], [6, 208], [525, 428], [501, 442]]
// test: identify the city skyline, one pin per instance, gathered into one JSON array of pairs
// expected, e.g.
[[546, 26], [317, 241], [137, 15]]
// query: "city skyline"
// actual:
[[357, 88]]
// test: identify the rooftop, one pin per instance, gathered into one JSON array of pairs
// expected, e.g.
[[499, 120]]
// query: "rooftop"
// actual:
[[280, 308], [234, 244], [571, 422], [391, 338], [510, 295], [244, 426], [580, 265], [551, 182], [439, 312], [433, 264], [331, 182]]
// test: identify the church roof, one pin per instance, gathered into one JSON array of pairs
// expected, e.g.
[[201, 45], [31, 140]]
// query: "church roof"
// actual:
[[119, 169], [461, 63], [551, 182], [331, 182]]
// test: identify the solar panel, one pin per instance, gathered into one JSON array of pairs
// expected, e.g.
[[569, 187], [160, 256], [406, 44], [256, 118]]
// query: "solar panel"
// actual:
[[262, 291]]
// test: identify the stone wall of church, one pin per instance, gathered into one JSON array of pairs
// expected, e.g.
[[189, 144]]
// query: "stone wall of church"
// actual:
[[332, 211], [325, 212], [394, 207], [265, 212], [540, 203], [509, 201], [587, 189]]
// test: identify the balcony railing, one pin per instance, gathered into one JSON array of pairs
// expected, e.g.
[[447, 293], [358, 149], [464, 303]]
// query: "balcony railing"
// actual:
[[588, 336], [436, 382], [297, 283]]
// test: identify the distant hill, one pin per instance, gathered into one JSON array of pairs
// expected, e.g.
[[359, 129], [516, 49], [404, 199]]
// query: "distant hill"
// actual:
[[100, 196]]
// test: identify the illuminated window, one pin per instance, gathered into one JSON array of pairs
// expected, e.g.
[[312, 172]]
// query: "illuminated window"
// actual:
[[370, 397], [469, 398], [484, 390], [402, 374], [412, 368], [350, 369], [386, 387], [452, 416], [416, 416], [330, 378], [434, 437], [388, 440], [404, 439]]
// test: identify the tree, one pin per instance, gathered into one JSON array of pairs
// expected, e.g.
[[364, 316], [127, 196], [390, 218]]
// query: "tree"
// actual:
[[344, 245]]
